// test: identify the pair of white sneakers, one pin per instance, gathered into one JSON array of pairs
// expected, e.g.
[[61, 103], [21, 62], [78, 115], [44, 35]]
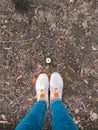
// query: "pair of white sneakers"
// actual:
[[43, 85]]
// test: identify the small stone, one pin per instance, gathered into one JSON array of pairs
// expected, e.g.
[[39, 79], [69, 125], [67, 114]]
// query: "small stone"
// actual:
[[77, 111], [6, 21], [3, 117], [71, 1], [48, 60], [7, 83], [62, 37], [82, 47], [53, 25], [93, 116], [84, 25], [34, 80], [47, 67], [90, 97], [3, 27]]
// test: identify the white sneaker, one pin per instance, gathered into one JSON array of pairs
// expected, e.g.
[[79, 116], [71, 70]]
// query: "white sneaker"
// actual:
[[42, 85], [56, 86]]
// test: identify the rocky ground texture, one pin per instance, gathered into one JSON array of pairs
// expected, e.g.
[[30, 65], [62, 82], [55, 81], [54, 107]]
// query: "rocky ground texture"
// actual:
[[65, 31]]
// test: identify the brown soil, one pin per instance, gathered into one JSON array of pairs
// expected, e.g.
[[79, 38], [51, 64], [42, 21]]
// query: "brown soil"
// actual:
[[64, 30]]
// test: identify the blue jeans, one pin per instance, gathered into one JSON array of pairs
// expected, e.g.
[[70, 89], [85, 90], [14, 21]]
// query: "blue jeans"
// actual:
[[34, 120]]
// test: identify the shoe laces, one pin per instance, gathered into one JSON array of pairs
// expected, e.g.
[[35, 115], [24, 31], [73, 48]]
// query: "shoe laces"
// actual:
[[41, 93], [55, 91]]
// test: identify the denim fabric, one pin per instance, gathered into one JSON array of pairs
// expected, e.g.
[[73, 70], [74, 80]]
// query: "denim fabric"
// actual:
[[34, 120], [61, 120]]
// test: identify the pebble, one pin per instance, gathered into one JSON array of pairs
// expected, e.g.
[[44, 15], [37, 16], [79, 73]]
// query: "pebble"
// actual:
[[62, 37], [53, 25], [3, 27], [6, 21], [71, 1], [82, 47], [7, 83], [76, 110], [93, 116], [90, 97], [3, 117]]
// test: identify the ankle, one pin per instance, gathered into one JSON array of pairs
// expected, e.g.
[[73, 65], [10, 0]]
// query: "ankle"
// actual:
[[55, 93], [54, 98]]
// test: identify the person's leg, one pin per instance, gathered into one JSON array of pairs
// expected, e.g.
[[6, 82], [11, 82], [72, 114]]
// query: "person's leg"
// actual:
[[61, 120], [34, 120]]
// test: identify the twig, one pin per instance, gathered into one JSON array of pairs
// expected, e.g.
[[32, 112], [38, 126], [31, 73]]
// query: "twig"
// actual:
[[3, 122], [18, 41]]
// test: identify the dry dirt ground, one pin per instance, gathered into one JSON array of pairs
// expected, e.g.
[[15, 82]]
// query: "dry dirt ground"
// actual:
[[67, 32]]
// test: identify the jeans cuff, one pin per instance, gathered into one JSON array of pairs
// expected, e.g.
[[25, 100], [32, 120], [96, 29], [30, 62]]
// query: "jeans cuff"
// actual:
[[55, 100], [43, 101]]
